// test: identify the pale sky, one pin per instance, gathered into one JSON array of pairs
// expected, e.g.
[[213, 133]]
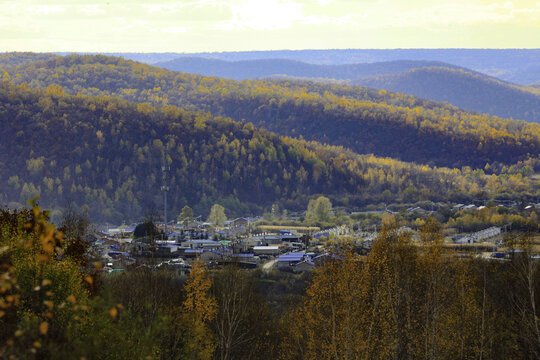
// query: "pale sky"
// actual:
[[240, 25]]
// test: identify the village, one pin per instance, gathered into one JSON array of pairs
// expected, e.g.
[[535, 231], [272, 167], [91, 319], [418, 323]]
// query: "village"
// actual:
[[250, 243]]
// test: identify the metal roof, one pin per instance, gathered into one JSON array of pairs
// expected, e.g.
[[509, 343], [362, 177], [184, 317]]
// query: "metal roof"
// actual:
[[296, 256], [243, 255], [192, 251]]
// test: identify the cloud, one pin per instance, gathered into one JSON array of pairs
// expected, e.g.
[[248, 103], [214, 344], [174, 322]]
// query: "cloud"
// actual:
[[457, 13], [45, 9], [92, 9], [150, 25], [263, 15], [346, 20]]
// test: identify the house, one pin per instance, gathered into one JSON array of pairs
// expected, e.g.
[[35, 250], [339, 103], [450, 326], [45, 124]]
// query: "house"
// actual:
[[210, 256], [266, 250], [266, 239], [245, 260], [121, 232], [180, 265], [192, 253], [201, 244], [175, 236], [167, 250], [245, 256], [241, 221], [290, 238], [465, 240], [478, 236], [286, 262]]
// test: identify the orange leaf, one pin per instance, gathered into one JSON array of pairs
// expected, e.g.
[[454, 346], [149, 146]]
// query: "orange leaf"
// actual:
[[113, 313], [44, 327]]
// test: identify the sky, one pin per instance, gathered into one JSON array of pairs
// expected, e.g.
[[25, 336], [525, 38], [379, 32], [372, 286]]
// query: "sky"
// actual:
[[243, 25]]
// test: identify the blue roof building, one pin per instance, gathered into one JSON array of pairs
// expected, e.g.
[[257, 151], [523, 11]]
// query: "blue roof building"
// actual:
[[287, 261]]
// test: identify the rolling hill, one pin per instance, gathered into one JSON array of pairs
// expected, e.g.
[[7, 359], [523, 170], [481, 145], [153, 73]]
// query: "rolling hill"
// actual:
[[107, 153], [253, 69], [361, 119], [426, 79], [521, 66], [464, 89]]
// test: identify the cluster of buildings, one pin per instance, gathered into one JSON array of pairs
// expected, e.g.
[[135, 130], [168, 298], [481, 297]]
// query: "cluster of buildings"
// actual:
[[478, 236], [117, 248], [243, 242]]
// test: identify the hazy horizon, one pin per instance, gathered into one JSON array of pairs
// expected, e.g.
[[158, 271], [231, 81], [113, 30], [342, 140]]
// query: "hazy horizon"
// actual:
[[254, 25]]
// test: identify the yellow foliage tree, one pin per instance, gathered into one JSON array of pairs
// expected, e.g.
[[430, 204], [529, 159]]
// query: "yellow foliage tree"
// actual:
[[199, 309]]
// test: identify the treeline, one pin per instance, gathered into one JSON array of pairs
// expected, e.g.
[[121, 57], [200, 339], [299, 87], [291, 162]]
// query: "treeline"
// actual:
[[469, 91], [363, 120], [406, 299], [107, 154], [14, 59]]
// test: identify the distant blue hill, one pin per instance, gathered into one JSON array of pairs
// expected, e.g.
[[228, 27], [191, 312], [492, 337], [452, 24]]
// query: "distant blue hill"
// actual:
[[252, 69], [467, 90], [521, 66], [431, 80]]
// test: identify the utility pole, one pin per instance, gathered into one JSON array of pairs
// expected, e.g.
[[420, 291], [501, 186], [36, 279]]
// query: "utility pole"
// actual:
[[165, 168]]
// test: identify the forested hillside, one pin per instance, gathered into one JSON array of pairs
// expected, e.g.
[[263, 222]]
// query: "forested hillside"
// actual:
[[426, 79], [464, 89], [107, 153], [21, 58], [364, 120], [252, 69]]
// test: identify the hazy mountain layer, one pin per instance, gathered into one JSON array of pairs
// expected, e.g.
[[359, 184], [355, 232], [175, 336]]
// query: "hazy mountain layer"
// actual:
[[521, 66], [464, 89], [253, 69]]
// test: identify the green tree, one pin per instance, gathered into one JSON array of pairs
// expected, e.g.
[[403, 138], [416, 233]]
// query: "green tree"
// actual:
[[319, 210], [217, 215], [185, 215]]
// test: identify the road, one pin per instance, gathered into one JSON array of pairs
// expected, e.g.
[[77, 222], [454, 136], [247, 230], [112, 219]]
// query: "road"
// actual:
[[267, 267]]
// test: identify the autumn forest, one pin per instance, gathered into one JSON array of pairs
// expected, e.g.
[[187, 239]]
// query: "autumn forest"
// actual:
[[342, 211]]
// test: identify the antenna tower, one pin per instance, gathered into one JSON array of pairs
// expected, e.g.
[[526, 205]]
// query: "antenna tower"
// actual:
[[165, 168]]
